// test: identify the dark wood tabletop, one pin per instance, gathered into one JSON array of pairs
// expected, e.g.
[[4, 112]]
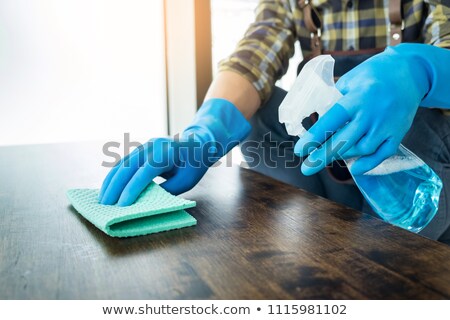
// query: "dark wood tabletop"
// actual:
[[256, 238]]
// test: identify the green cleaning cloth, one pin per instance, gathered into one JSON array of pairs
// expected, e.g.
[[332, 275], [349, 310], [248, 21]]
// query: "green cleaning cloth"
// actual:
[[154, 211]]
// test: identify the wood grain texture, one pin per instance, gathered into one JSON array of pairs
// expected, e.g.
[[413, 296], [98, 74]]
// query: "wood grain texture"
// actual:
[[256, 238]]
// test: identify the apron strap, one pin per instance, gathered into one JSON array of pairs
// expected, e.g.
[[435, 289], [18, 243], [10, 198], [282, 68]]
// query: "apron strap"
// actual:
[[313, 25], [397, 25]]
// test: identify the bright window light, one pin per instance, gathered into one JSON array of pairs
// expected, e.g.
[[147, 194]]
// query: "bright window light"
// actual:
[[81, 70]]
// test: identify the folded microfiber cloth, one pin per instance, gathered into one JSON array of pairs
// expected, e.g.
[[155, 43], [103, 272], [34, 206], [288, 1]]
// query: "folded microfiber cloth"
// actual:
[[154, 211]]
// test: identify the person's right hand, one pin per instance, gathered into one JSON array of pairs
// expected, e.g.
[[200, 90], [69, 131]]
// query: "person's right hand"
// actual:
[[217, 127]]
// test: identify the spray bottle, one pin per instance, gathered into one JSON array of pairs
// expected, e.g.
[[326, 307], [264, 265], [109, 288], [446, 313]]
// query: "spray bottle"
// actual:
[[402, 190]]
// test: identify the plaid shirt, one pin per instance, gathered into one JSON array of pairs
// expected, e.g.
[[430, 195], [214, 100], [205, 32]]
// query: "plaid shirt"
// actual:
[[262, 56]]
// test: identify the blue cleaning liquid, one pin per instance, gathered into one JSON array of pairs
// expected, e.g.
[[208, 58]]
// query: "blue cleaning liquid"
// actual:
[[403, 191]]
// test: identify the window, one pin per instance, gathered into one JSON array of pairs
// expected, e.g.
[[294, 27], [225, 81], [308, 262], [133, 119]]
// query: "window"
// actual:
[[81, 70]]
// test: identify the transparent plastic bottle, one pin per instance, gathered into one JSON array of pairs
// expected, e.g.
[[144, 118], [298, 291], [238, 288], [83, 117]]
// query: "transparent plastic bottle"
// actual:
[[402, 190]]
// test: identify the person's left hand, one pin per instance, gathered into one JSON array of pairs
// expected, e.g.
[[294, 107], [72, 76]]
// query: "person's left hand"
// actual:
[[381, 97]]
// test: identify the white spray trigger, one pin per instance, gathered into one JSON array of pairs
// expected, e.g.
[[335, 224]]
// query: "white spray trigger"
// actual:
[[313, 91]]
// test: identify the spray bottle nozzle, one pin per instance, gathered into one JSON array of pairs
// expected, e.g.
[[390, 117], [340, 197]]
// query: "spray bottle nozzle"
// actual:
[[313, 91]]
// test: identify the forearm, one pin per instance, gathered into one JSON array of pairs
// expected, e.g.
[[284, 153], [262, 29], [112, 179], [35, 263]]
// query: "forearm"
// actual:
[[238, 90]]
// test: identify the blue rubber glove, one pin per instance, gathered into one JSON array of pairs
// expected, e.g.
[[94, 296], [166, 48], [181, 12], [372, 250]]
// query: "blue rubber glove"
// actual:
[[381, 97], [217, 127]]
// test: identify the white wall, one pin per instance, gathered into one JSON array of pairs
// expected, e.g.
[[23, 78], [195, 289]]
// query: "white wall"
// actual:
[[81, 70]]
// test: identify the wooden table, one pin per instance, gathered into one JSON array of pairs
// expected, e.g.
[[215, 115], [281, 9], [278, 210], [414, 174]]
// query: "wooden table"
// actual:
[[255, 239]]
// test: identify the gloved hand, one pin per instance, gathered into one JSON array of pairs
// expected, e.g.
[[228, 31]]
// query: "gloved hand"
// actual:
[[217, 127], [381, 97]]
